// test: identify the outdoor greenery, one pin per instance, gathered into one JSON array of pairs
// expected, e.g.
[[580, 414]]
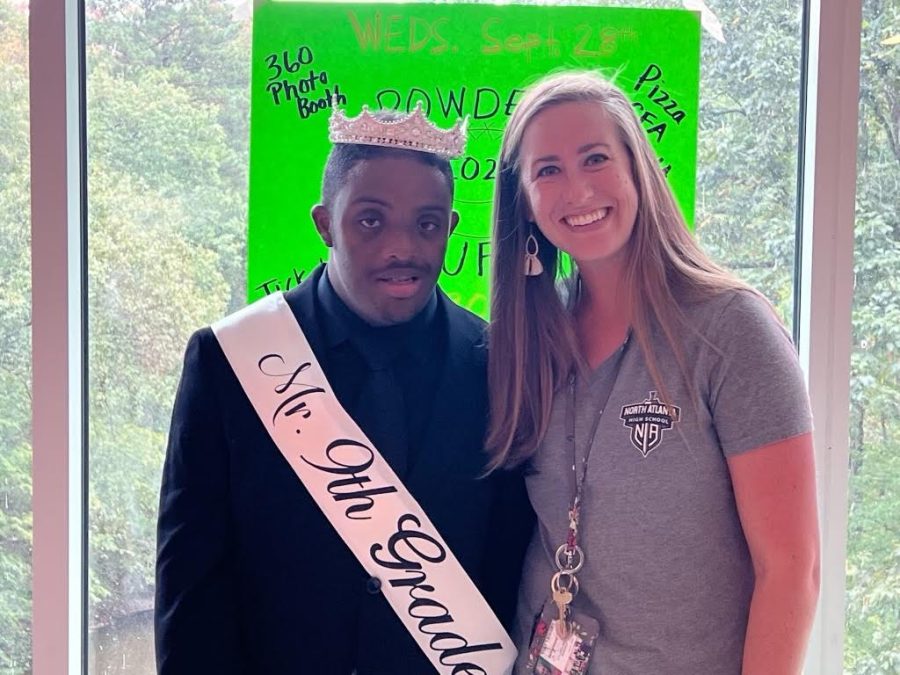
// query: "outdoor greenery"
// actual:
[[15, 347], [873, 563], [168, 105]]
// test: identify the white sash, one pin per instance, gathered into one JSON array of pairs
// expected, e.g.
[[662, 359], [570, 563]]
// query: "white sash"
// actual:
[[359, 493]]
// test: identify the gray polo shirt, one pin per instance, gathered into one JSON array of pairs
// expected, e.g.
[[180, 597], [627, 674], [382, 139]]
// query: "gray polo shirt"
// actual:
[[667, 571]]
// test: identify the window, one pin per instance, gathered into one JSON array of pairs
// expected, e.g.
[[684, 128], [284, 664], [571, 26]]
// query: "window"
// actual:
[[167, 113], [167, 106], [873, 552], [15, 342], [750, 92]]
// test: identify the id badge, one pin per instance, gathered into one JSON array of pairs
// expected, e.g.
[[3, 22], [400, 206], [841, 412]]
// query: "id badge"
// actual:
[[551, 654]]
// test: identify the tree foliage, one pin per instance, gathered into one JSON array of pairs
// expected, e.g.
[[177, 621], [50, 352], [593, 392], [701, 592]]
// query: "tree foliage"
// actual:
[[873, 561], [15, 347], [168, 83]]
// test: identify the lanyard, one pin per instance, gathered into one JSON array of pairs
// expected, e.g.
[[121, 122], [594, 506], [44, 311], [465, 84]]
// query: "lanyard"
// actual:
[[569, 556]]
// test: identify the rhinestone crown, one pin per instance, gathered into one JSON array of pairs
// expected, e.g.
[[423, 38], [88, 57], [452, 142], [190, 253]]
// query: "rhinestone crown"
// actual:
[[412, 131]]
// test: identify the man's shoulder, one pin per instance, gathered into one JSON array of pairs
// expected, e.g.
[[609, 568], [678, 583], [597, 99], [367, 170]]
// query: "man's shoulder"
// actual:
[[204, 367], [300, 298], [203, 344], [199, 344]]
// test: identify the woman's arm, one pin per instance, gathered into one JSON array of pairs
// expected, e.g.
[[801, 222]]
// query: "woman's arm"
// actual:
[[775, 490]]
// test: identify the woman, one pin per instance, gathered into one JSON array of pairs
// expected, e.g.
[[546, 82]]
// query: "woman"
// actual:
[[659, 405]]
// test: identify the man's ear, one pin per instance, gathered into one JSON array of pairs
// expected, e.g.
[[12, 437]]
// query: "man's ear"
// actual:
[[454, 221], [322, 218]]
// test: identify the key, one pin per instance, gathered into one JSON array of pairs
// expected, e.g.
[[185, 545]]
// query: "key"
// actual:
[[562, 598]]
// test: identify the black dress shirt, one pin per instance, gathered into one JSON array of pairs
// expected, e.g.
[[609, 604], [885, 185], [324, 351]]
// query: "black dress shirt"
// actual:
[[416, 351]]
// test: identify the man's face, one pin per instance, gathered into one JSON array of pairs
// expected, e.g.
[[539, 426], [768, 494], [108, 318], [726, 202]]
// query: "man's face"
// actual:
[[387, 229]]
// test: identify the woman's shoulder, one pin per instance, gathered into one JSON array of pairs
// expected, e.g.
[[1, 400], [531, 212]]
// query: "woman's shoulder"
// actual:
[[729, 319], [729, 305]]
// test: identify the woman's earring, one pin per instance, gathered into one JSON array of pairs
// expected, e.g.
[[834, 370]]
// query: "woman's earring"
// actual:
[[533, 266]]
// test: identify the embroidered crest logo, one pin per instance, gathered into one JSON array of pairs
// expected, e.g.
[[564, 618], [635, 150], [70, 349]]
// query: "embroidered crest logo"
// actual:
[[648, 420]]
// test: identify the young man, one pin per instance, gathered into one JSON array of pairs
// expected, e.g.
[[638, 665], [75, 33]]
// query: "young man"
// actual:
[[252, 577]]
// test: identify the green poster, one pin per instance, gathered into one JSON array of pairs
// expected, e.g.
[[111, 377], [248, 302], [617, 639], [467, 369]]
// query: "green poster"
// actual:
[[457, 60]]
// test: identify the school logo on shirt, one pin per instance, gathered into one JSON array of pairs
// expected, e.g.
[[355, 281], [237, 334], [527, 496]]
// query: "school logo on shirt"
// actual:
[[648, 420]]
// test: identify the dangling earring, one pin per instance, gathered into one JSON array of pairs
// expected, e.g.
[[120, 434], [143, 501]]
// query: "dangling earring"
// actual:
[[533, 266]]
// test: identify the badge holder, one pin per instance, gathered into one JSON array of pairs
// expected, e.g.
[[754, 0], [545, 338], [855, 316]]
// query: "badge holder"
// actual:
[[552, 654], [562, 640]]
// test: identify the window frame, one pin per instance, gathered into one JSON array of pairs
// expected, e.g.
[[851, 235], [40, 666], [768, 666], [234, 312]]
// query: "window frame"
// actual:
[[827, 218], [827, 171], [59, 316]]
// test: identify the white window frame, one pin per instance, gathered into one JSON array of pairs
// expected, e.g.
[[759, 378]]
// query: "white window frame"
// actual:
[[58, 292], [826, 296], [827, 214]]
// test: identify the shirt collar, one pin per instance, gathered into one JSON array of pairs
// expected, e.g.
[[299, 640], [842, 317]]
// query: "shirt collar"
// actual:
[[377, 344]]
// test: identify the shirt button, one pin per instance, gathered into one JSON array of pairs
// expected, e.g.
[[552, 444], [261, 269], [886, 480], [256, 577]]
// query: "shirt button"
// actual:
[[373, 585]]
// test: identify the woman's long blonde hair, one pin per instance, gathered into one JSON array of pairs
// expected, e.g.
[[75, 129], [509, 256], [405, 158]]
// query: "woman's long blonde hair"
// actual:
[[533, 345]]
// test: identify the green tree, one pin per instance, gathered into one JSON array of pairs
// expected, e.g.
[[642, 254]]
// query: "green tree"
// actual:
[[873, 561], [15, 346], [150, 288], [201, 51], [167, 109]]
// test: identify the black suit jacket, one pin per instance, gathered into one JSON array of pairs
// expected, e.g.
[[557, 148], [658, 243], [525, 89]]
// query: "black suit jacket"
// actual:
[[252, 578]]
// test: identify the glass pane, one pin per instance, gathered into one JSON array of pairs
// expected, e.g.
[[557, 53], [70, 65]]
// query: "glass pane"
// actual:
[[167, 114], [15, 342], [873, 557], [749, 130], [167, 106]]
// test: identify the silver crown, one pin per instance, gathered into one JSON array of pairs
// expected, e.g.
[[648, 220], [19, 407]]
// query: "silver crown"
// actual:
[[412, 131]]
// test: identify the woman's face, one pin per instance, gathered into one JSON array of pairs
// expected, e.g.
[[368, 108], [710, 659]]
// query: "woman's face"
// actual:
[[577, 180]]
